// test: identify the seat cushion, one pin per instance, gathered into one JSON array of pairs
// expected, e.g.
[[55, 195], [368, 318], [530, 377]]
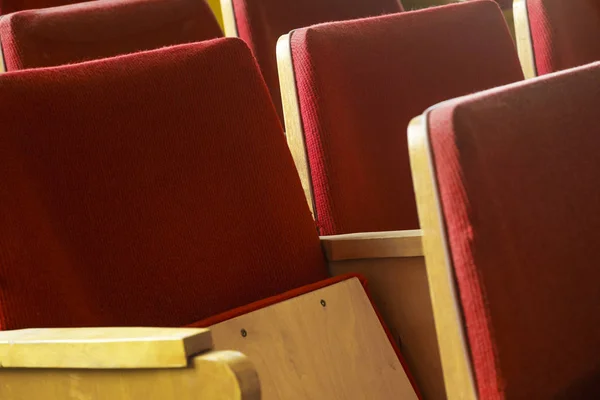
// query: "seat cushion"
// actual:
[[359, 84], [149, 189], [98, 29], [518, 171], [564, 33]]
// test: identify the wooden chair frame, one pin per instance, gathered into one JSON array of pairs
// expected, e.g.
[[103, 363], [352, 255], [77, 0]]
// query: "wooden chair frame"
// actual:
[[2, 65], [326, 343], [229, 21], [394, 266], [121, 363], [451, 336], [294, 130], [523, 39]]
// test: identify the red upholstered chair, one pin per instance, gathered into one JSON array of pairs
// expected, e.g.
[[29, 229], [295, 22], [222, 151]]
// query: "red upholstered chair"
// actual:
[[92, 30], [261, 22], [157, 189], [10, 6], [358, 84], [553, 35], [507, 188]]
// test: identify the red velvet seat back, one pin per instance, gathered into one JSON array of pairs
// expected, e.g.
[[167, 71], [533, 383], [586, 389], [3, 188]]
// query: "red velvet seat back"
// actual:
[[565, 34], [261, 22], [518, 171], [149, 189], [98, 29], [9, 6], [360, 83]]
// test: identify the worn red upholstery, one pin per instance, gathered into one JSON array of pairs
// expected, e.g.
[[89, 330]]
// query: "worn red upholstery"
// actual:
[[518, 171], [360, 83], [9, 6], [261, 22], [149, 189], [98, 29], [565, 34]]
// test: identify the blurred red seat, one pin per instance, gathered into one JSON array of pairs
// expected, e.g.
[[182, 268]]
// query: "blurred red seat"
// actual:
[[10, 6], [352, 87], [106, 28], [555, 34], [261, 22]]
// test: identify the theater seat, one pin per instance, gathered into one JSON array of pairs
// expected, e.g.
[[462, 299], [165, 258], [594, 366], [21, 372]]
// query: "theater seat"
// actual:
[[553, 35], [351, 88], [105, 28], [10, 6], [157, 189], [506, 184], [261, 22]]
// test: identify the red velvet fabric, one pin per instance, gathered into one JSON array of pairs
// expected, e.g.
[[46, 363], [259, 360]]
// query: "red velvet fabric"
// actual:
[[518, 171], [360, 83], [148, 189], [261, 22], [9, 6], [99, 29], [565, 34]]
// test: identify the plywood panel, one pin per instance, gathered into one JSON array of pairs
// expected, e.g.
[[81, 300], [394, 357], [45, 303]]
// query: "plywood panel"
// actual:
[[327, 344], [399, 288]]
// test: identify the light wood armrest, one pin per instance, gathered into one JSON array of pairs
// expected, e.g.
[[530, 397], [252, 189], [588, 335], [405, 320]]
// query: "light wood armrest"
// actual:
[[356, 246], [121, 363]]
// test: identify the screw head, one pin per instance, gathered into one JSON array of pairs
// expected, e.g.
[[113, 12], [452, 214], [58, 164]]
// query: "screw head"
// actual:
[[244, 333], [323, 303]]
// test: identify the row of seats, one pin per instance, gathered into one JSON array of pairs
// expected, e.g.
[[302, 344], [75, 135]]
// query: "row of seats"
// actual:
[[124, 205], [113, 161], [551, 34]]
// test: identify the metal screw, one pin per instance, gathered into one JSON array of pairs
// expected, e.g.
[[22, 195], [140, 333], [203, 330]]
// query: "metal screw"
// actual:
[[244, 333], [323, 303]]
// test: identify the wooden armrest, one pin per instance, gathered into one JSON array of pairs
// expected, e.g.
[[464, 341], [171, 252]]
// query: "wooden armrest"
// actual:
[[121, 363], [102, 348], [355, 246]]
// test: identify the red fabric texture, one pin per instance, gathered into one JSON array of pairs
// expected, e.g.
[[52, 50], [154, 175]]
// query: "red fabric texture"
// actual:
[[360, 83], [299, 292], [565, 34], [10, 6], [99, 29], [261, 22], [518, 170], [148, 189]]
